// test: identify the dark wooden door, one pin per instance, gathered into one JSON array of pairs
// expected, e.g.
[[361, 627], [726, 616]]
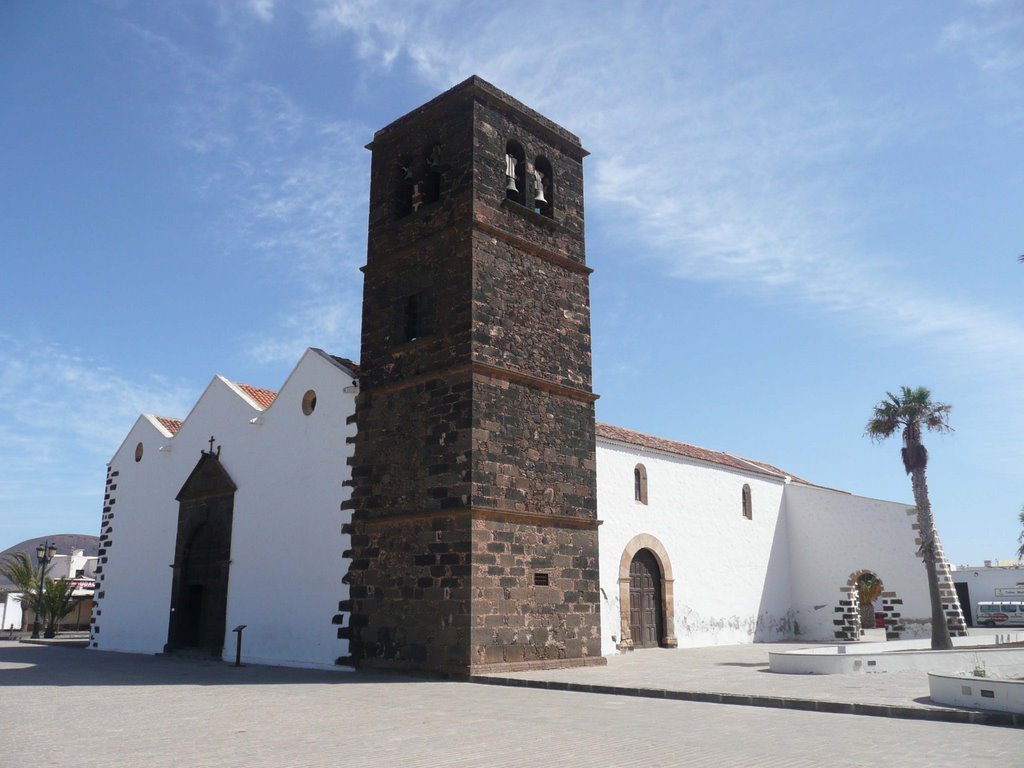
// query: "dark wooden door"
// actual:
[[645, 616], [202, 558]]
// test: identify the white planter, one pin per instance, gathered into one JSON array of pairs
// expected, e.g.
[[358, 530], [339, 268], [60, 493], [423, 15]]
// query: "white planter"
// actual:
[[965, 690]]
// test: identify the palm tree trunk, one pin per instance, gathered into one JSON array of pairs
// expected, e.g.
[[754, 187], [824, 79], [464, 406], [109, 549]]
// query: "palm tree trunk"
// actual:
[[926, 523]]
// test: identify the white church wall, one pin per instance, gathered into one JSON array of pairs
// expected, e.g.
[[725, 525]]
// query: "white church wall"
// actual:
[[286, 548], [731, 577], [834, 535], [286, 565], [133, 597]]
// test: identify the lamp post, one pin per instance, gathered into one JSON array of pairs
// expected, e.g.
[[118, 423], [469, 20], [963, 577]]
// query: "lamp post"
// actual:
[[44, 554]]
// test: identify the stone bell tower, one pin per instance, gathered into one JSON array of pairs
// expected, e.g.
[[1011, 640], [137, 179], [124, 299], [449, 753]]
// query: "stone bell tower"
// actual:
[[474, 526]]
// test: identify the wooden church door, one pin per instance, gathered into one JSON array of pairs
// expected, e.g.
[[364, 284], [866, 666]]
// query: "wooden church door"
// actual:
[[202, 556], [645, 614]]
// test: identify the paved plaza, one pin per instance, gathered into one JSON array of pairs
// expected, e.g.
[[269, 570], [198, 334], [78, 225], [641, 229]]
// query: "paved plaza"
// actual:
[[743, 670], [70, 706]]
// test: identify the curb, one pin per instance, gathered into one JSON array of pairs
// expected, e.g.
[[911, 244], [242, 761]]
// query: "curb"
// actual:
[[971, 717], [71, 642]]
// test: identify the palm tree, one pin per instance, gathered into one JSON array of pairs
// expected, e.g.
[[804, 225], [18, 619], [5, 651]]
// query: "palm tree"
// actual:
[[56, 603], [911, 411], [869, 588]]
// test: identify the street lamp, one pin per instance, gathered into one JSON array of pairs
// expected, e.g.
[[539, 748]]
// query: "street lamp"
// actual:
[[44, 554]]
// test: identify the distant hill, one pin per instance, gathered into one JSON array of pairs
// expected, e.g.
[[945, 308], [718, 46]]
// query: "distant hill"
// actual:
[[65, 542]]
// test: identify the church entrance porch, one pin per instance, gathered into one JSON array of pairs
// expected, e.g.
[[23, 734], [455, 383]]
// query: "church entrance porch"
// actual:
[[202, 556], [646, 595]]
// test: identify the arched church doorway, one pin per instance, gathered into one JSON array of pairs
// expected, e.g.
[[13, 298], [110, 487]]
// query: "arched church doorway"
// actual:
[[646, 589], [865, 603], [646, 618], [202, 556], [869, 590]]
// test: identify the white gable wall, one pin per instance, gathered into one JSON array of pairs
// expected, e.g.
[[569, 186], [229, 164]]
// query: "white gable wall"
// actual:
[[731, 574], [133, 598], [833, 535], [289, 469], [286, 545]]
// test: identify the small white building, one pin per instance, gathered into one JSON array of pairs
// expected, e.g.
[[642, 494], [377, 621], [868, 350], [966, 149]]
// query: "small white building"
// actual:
[[697, 547], [995, 580], [76, 567], [11, 614]]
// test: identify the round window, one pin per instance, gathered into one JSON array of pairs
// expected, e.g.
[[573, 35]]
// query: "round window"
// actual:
[[138, 452], [309, 402]]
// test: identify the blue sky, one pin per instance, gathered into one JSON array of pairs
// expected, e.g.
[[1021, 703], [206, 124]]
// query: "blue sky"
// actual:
[[791, 208]]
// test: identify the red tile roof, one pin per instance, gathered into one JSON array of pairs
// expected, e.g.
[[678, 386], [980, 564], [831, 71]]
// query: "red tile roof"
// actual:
[[262, 397], [352, 365], [619, 434], [171, 425]]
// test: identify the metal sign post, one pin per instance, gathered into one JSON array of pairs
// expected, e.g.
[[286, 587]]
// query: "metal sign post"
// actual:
[[238, 648]]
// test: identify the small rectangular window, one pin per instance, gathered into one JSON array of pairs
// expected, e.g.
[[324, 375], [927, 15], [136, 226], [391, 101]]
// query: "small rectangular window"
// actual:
[[414, 317], [540, 580]]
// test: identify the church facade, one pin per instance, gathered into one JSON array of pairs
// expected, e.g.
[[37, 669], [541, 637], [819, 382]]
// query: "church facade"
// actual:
[[450, 503]]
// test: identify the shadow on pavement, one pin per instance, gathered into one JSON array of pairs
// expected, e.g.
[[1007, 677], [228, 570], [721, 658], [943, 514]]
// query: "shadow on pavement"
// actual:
[[35, 665]]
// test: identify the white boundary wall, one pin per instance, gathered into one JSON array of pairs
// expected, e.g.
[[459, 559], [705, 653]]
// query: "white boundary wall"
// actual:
[[286, 564], [833, 535]]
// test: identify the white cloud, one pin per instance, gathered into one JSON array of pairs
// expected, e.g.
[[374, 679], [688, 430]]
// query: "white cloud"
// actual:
[[262, 9], [62, 416], [991, 34], [746, 175], [53, 401], [293, 186], [743, 175]]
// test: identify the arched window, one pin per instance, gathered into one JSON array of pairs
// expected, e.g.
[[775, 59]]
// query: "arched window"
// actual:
[[431, 186], [543, 188], [414, 311], [640, 483], [748, 506], [515, 172], [404, 186]]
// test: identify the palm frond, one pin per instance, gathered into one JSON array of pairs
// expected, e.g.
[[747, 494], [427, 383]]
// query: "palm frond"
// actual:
[[17, 568], [911, 409]]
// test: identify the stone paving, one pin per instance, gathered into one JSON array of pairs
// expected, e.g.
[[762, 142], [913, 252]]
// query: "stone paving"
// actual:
[[739, 674], [68, 706], [741, 669]]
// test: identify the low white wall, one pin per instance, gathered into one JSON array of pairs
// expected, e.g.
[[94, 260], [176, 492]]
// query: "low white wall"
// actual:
[[977, 692], [833, 535], [903, 655], [731, 574]]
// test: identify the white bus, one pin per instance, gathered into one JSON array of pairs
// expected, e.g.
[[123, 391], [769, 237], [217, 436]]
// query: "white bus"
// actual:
[[1003, 613]]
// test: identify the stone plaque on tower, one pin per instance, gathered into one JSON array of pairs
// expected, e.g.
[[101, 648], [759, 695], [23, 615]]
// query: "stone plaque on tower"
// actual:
[[474, 530]]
